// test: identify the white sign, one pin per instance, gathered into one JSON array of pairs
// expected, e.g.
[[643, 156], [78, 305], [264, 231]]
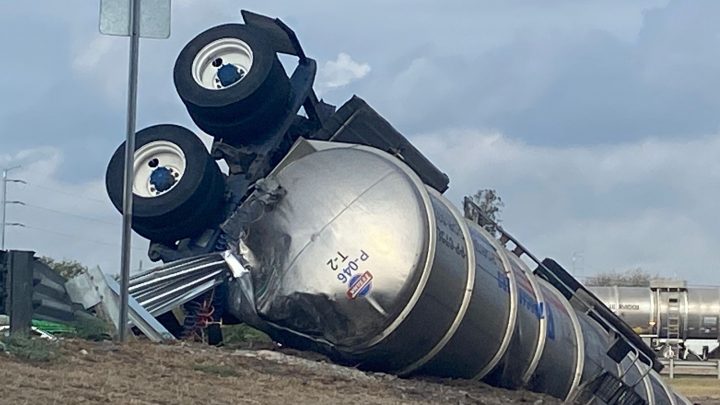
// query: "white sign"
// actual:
[[154, 18]]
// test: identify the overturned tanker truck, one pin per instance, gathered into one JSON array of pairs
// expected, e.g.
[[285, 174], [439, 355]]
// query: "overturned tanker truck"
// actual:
[[344, 242]]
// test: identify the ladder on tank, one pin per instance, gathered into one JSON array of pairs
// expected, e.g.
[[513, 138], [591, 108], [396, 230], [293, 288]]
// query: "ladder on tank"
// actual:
[[674, 332], [627, 342], [670, 314], [673, 323]]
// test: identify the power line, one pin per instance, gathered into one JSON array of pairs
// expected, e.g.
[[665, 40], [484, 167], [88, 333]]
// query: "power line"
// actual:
[[71, 214], [66, 235], [67, 193]]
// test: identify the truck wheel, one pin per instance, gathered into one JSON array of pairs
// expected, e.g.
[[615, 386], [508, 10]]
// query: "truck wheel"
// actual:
[[232, 82], [206, 215], [178, 189]]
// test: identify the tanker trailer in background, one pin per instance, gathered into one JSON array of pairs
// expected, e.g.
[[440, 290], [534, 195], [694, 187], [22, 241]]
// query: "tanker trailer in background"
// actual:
[[348, 246], [668, 314]]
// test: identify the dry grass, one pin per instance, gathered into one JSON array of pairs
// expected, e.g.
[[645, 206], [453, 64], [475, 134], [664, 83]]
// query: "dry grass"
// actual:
[[144, 373], [35, 350], [706, 390]]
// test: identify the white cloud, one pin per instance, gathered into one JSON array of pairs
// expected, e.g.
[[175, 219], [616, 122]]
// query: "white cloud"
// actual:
[[650, 204], [102, 63], [340, 72], [88, 55]]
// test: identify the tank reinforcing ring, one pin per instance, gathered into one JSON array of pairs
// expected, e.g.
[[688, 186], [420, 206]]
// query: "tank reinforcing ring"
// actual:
[[466, 297], [512, 316], [542, 323], [669, 392], [158, 167], [222, 63], [645, 380], [579, 339]]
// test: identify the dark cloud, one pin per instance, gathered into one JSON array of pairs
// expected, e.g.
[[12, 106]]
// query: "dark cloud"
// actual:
[[607, 90], [484, 64], [550, 87]]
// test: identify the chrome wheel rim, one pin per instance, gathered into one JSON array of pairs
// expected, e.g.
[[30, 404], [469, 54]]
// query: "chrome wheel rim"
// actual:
[[158, 167], [222, 63]]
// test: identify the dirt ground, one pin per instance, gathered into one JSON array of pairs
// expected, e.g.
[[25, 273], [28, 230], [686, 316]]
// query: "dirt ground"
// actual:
[[701, 390], [145, 373]]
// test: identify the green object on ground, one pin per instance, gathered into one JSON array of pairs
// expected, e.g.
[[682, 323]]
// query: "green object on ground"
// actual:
[[53, 327]]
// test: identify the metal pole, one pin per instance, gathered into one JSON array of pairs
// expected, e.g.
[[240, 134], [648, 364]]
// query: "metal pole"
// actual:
[[129, 161]]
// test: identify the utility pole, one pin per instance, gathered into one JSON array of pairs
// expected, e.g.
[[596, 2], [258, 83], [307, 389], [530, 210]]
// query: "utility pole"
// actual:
[[578, 263], [5, 202]]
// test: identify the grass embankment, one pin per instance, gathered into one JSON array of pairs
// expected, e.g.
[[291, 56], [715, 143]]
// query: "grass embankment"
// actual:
[[696, 386], [34, 350]]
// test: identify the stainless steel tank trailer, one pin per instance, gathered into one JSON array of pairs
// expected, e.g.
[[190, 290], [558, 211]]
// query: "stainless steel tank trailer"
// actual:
[[347, 245], [667, 314]]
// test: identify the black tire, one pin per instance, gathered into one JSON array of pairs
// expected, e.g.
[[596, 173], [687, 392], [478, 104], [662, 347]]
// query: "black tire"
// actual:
[[192, 205], [245, 110]]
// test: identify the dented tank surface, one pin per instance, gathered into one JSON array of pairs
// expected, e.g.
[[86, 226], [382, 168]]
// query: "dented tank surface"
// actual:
[[362, 259]]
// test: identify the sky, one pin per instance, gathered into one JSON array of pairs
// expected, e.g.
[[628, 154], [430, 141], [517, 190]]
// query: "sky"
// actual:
[[598, 123]]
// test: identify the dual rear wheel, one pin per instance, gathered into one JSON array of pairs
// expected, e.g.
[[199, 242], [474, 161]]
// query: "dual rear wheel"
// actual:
[[235, 89], [232, 83], [178, 189]]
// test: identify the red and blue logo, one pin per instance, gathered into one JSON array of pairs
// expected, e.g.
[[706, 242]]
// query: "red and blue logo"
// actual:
[[360, 285]]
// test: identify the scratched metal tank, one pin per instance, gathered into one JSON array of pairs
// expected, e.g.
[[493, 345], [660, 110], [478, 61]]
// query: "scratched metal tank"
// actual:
[[362, 258]]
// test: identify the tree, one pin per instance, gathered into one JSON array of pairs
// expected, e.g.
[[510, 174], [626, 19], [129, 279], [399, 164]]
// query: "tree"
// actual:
[[490, 205], [66, 268], [636, 277]]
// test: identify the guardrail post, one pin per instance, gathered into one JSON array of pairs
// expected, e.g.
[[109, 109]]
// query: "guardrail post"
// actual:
[[672, 368], [20, 275]]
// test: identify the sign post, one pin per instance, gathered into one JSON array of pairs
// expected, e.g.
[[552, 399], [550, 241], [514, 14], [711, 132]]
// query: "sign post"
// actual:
[[133, 18]]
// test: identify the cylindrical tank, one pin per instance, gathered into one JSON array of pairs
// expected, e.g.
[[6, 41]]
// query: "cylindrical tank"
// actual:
[[703, 313], [360, 258], [649, 310], [635, 305]]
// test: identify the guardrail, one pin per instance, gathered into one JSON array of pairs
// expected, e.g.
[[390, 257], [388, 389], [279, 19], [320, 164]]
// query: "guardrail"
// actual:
[[29, 289], [684, 367]]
